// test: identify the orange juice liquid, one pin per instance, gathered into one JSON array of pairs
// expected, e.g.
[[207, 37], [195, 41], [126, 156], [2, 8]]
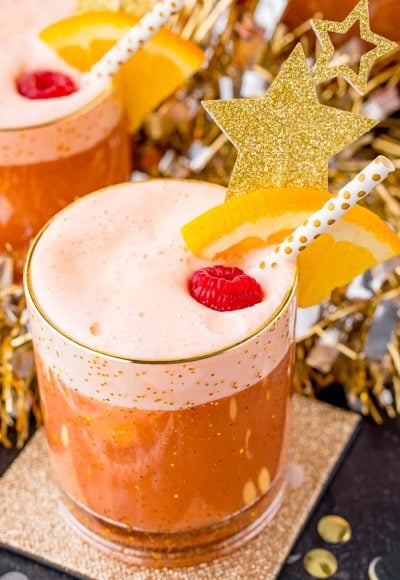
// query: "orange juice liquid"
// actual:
[[168, 471], [44, 168]]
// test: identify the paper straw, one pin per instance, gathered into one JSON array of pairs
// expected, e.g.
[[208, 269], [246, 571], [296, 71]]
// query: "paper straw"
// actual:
[[333, 209], [132, 41]]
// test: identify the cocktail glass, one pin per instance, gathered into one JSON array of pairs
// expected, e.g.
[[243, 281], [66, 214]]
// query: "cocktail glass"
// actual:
[[149, 475]]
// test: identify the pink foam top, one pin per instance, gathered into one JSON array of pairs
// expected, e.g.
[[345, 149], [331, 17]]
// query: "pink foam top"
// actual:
[[22, 51], [112, 272]]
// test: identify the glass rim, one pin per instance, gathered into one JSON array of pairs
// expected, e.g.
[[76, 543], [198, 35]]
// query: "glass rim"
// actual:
[[39, 310], [90, 105]]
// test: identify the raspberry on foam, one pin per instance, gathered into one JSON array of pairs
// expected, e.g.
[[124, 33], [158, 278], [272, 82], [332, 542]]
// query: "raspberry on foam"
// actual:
[[45, 84], [224, 288]]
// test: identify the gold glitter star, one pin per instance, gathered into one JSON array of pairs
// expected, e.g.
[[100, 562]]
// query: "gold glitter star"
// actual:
[[324, 71], [287, 137]]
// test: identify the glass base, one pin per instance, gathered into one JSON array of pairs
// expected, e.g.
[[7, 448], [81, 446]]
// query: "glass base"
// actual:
[[173, 549]]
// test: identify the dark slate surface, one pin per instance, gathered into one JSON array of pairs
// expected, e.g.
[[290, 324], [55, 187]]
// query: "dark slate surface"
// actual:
[[366, 491]]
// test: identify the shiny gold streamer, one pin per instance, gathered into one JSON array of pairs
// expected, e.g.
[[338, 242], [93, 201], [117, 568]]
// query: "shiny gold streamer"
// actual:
[[18, 395]]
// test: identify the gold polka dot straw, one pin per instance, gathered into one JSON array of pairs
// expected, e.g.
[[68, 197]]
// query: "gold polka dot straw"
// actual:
[[335, 208], [131, 42]]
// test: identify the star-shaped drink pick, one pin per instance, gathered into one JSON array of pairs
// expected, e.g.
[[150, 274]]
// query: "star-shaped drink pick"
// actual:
[[324, 71], [287, 137]]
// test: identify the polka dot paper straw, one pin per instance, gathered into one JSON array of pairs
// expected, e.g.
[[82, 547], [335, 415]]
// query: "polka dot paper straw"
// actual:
[[151, 22], [334, 209]]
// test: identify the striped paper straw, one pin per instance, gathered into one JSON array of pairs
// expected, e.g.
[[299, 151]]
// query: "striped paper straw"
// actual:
[[132, 41], [334, 209]]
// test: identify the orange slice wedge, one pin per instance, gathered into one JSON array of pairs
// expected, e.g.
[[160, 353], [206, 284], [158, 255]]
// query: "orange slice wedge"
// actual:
[[352, 245], [160, 67]]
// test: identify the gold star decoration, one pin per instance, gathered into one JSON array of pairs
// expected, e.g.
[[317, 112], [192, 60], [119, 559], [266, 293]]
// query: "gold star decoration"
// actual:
[[324, 71], [286, 137]]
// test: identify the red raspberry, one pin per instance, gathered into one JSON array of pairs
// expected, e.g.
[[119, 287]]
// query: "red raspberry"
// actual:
[[45, 84], [223, 288]]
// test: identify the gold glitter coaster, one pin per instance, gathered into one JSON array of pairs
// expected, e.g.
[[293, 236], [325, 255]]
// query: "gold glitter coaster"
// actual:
[[30, 521]]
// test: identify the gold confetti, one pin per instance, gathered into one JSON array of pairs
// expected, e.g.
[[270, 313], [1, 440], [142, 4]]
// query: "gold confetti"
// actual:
[[324, 69], [334, 529], [320, 563], [372, 573], [249, 492], [286, 138], [264, 480]]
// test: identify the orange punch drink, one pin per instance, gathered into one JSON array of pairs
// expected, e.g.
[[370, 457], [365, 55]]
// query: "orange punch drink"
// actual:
[[165, 378], [58, 141]]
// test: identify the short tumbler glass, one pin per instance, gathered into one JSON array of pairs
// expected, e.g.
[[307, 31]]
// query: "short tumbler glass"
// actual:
[[159, 486]]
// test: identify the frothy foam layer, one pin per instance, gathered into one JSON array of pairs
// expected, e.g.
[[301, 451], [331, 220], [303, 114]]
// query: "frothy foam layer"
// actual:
[[112, 272], [22, 51]]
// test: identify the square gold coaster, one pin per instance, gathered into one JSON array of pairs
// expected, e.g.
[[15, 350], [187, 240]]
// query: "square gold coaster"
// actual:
[[30, 521]]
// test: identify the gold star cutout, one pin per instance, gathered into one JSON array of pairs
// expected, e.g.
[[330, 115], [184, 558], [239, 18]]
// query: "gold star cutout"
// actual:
[[287, 137], [322, 69]]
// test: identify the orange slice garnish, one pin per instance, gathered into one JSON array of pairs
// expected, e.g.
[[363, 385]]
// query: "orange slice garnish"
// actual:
[[160, 67], [355, 243]]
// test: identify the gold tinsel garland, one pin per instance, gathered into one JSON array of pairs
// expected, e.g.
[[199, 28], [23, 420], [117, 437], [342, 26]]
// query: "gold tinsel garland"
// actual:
[[179, 140]]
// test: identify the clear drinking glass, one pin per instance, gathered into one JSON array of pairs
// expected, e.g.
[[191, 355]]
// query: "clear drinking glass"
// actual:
[[45, 167], [159, 486]]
